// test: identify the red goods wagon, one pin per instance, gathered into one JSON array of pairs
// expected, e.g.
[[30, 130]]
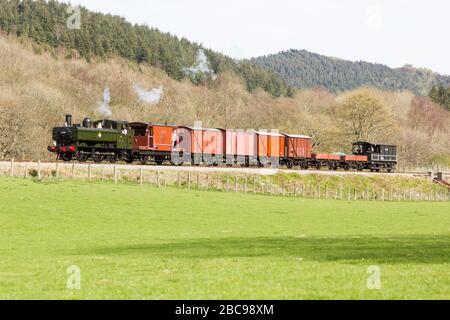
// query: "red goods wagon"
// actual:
[[270, 147], [213, 142], [323, 156], [354, 158], [240, 143], [297, 146], [189, 142], [240, 147]]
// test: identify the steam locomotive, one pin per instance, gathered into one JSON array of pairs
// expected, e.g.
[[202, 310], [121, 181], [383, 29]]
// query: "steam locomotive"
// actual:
[[112, 141]]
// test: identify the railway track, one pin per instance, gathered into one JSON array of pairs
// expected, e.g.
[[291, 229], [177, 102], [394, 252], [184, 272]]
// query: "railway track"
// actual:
[[18, 165]]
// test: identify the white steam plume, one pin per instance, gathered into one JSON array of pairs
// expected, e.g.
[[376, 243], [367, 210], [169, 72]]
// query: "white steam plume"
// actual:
[[201, 65], [152, 96], [103, 107]]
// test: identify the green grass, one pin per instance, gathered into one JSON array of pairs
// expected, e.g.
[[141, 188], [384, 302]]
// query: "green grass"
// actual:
[[135, 242]]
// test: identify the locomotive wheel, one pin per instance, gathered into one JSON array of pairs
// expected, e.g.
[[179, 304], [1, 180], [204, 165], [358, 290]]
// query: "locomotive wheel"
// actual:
[[318, 166], [97, 157], [66, 157], [159, 162], [111, 158], [81, 157], [129, 159], [346, 167], [143, 160], [289, 165]]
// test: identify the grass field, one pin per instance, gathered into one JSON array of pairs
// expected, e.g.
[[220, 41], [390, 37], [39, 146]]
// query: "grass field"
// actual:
[[133, 242]]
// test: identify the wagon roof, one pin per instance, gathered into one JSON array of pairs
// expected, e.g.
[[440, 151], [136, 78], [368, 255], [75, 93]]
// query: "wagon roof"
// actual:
[[297, 136], [265, 133], [151, 124], [199, 128]]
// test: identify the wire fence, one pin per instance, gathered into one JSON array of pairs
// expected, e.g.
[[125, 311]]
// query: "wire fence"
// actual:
[[214, 181]]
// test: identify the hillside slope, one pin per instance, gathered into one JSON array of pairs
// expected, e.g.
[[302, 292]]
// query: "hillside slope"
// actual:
[[91, 34], [303, 69]]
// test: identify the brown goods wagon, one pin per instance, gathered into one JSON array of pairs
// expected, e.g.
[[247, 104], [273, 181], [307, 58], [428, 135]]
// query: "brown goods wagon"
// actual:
[[297, 146], [270, 145], [354, 158], [324, 156], [152, 137]]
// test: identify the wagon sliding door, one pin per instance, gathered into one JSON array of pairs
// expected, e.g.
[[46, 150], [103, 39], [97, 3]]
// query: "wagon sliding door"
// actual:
[[151, 138]]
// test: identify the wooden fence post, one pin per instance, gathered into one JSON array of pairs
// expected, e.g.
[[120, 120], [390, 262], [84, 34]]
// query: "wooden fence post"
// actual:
[[198, 180], [235, 184], [245, 184], [12, 167], [157, 178], [26, 170], [189, 180], [39, 170]]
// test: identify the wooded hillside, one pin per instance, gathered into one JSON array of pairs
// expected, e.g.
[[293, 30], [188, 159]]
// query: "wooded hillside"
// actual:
[[303, 69]]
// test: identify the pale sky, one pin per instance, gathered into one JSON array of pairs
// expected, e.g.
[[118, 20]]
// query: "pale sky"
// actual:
[[392, 32]]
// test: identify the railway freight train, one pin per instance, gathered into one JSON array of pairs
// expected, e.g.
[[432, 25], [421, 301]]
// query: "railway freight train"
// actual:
[[112, 141]]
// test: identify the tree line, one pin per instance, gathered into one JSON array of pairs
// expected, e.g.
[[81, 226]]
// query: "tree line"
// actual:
[[105, 36]]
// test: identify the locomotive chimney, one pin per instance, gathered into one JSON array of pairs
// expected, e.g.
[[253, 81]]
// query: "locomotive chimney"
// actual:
[[68, 120]]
